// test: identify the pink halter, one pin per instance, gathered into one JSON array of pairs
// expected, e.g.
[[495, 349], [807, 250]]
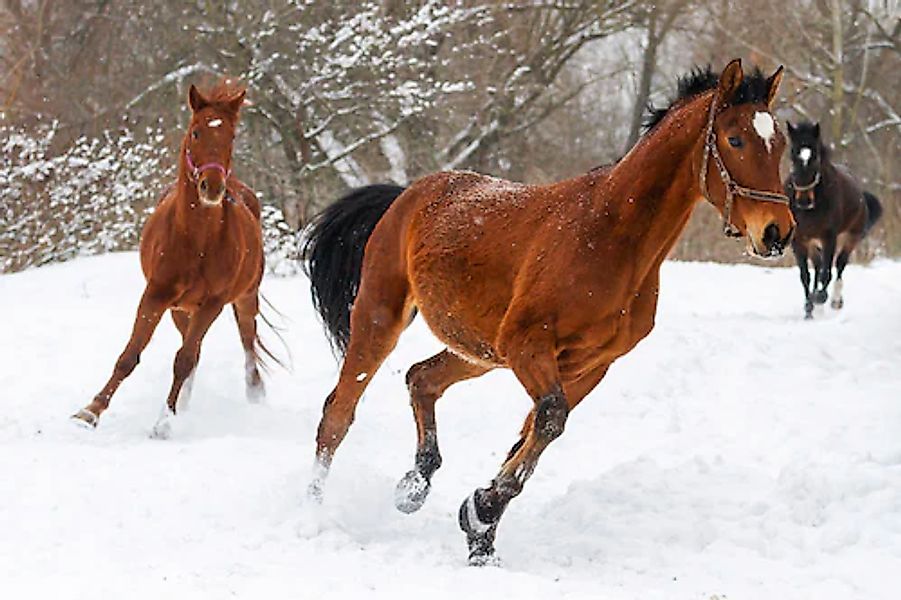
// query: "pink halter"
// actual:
[[196, 171]]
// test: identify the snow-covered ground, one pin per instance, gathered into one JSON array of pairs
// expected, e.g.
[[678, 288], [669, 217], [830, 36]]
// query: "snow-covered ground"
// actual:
[[739, 452]]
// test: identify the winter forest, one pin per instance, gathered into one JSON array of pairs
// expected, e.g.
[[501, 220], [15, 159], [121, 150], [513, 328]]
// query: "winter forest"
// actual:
[[92, 99]]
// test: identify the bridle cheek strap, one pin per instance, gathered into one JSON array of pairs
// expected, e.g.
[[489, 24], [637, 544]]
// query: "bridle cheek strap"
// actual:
[[213, 166], [733, 188]]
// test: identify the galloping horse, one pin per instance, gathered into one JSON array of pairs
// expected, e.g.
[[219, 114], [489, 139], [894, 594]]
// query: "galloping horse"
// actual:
[[832, 211], [200, 250], [554, 282]]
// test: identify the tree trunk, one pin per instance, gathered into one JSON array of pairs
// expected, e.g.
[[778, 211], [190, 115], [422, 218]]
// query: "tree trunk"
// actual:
[[838, 71], [648, 66]]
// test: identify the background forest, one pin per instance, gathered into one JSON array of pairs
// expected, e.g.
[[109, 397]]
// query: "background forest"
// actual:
[[92, 99]]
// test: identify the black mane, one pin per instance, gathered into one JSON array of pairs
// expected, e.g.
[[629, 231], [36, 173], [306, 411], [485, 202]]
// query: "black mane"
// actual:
[[753, 88]]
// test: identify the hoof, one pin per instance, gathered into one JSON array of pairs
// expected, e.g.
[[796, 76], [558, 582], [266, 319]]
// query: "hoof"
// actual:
[[85, 418], [161, 431], [163, 428], [411, 492], [314, 492], [808, 316], [484, 560], [479, 535], [838, 303], [820, 297]]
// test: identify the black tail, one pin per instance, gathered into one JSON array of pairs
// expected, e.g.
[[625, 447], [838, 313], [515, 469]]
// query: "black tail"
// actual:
[[333, 254], [874, 210]]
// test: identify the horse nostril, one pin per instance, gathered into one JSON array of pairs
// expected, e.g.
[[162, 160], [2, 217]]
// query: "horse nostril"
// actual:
[[771, 235]]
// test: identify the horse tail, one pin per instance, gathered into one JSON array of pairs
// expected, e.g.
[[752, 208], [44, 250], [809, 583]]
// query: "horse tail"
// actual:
[[261, 353], [332, 254], [874, 210]]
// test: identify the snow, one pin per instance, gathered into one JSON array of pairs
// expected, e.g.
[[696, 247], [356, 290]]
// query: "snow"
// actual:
[[739, 452]]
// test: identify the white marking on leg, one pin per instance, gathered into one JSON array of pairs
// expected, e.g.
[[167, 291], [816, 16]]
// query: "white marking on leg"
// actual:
[[255, 389], [837, 299], [473, 517], [765, 126], [162, 430], [184, 395], [804, 154], [317, 478], [362, 376]]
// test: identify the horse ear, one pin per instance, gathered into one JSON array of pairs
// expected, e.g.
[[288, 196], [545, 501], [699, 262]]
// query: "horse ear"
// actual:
[[235, 103], [791, 128], [772, 86], [730, 79], [195, 99], [816, 129]]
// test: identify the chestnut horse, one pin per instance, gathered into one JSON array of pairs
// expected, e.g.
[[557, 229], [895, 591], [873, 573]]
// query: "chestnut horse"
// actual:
[[554, 282], [833, 213], [200, 250]]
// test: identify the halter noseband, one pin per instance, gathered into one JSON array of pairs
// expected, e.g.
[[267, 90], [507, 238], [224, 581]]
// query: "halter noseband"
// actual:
[[732, 188], [799, 189], [212, 166]]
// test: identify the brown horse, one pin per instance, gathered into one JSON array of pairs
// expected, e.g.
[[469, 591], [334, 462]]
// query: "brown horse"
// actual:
[[833, 213], [200, 250], [554, 282]]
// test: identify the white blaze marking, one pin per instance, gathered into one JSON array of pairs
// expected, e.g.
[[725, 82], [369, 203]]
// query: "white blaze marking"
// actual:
[[218, 122], [765, 127], [804, 155]]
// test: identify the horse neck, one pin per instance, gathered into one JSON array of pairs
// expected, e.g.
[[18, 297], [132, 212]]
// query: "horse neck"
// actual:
[[656, 185]]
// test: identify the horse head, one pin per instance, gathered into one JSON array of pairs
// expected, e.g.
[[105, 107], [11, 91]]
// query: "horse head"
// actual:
[[208, 144]]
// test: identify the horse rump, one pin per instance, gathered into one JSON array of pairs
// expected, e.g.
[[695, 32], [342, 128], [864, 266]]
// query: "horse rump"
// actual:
[[874, 210], [332, 254]]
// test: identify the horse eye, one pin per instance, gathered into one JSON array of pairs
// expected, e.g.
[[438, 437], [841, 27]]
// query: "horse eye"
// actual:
[[735, 142], [195, 134]]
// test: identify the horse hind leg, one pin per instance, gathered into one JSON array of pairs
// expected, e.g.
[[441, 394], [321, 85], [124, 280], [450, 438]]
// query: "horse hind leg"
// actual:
[[838, 301], [427, 381], [380, 314], [246, 310], [182, 321]]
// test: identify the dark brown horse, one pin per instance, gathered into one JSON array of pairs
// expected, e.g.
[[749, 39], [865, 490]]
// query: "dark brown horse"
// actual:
[[554, 282], [832, 211], [200, 250]]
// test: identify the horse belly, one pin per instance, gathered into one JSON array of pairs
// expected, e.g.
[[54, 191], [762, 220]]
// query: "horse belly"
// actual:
[[460, 307]]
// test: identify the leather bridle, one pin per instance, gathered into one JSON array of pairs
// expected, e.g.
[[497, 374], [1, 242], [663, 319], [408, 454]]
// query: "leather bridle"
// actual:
[[732, 187], [800, 189]]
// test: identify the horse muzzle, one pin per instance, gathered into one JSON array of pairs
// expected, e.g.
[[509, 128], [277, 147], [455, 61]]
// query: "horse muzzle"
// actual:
[[211, 193], [772, 244]]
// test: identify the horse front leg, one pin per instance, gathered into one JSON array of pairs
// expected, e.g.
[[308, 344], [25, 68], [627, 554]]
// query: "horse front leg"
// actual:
[[185, 362], [154, 302], [802, 260], [532, 358], [825, 269]]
